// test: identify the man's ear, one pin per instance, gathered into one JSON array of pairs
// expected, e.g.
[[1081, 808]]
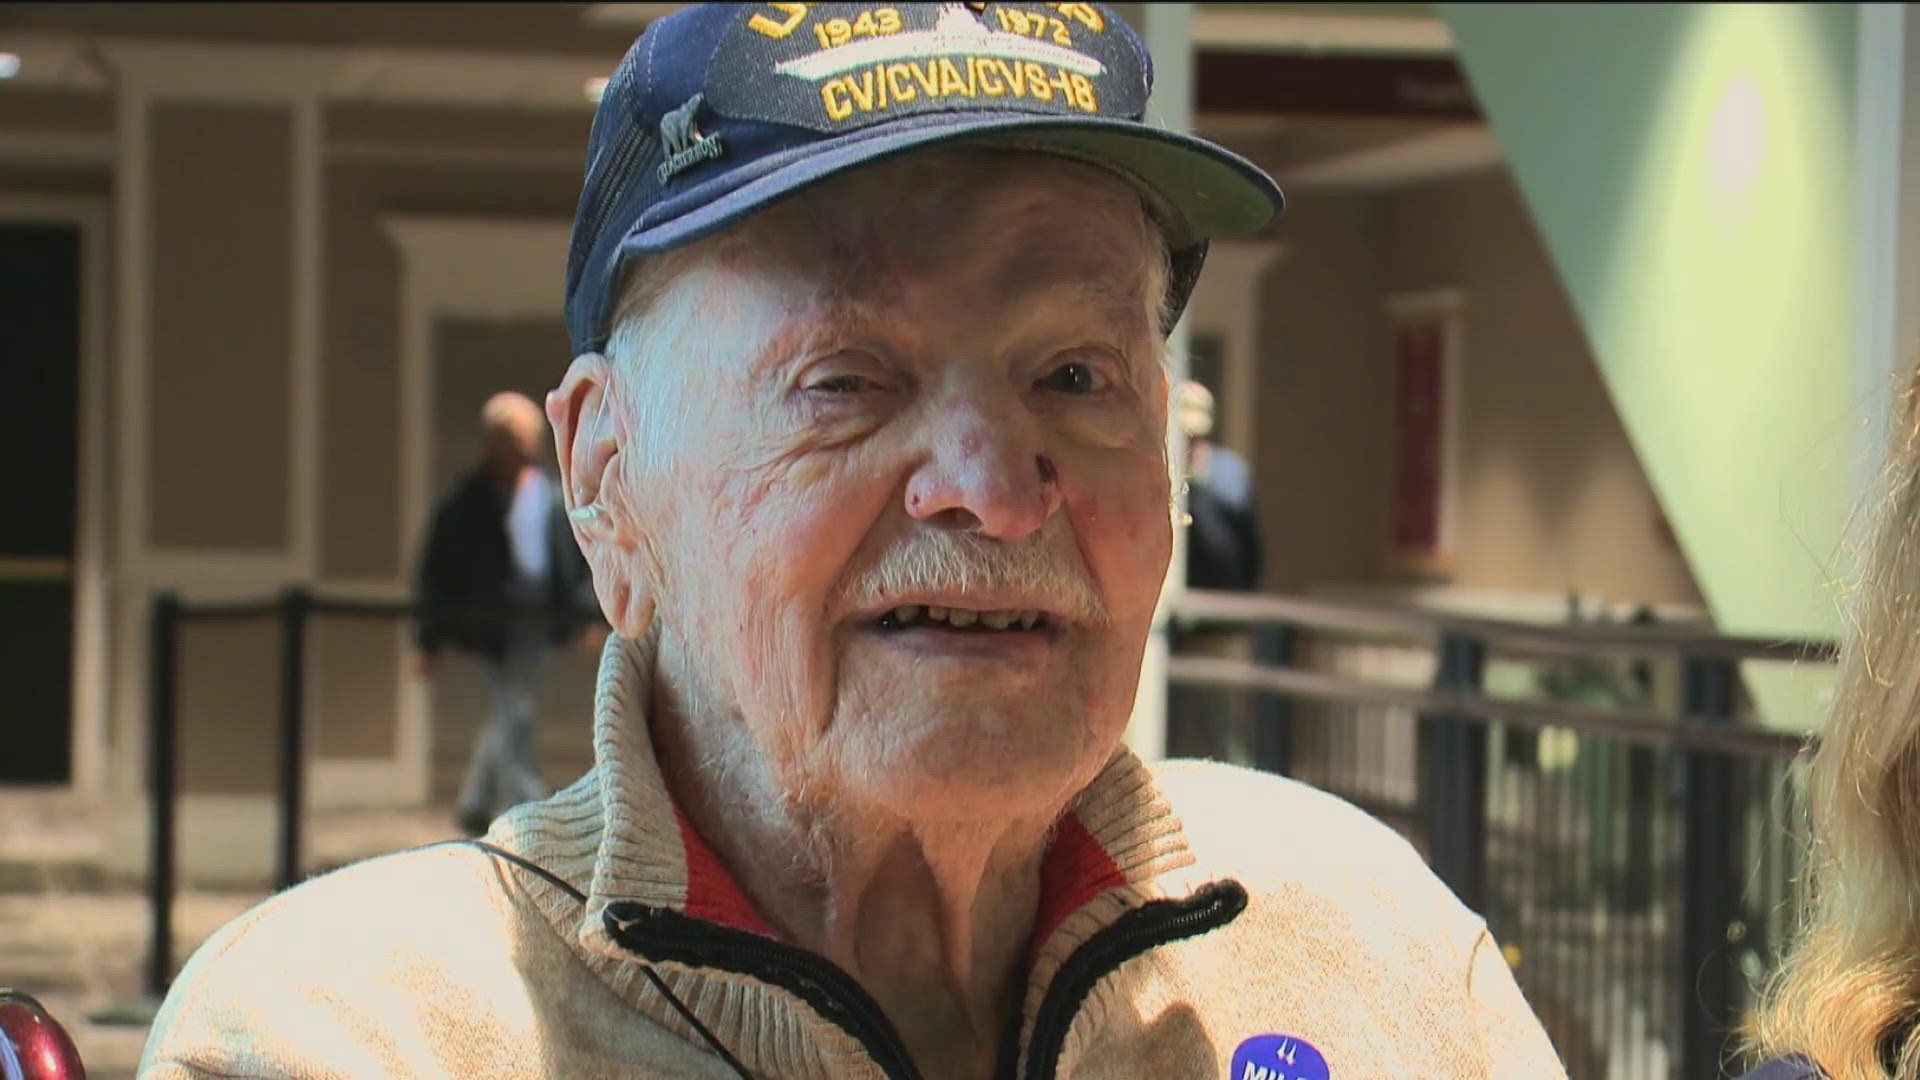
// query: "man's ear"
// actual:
[[587, 445]]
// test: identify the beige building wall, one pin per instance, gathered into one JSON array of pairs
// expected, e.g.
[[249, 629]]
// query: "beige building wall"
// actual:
[[360, 387], [218, 464], [1548, 495], [219, 345], [30, 113], [381, 163], [369, 541], [54, 181], [1324, 397]]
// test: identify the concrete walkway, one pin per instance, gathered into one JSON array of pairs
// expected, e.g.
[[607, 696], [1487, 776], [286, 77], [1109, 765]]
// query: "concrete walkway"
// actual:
[[78, 939]]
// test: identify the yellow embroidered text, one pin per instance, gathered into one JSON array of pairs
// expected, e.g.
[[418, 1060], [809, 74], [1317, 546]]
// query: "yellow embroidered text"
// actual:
[[874, 23], [1015, 21], [790, 17], [1085, 14], [881, 86]]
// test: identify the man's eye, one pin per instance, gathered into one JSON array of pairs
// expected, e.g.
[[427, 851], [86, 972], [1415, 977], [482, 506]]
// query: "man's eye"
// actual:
[[843, 384], [1074, 377]]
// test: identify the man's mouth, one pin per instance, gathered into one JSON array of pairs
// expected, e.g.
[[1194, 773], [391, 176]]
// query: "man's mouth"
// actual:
[[969, 620]]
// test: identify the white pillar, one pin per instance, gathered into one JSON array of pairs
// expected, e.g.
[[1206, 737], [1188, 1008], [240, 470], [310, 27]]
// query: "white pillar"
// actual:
[[1168, 30], [1886, 236], [221, 836]]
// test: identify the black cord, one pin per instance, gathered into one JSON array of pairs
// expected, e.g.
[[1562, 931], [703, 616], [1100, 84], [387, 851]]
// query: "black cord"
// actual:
[[687, 1015], [653, 976], [551, 878]]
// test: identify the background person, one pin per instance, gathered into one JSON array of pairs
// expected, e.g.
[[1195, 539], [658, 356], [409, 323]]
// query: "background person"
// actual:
[[1223, 554], [1223, 542], [499, 569]]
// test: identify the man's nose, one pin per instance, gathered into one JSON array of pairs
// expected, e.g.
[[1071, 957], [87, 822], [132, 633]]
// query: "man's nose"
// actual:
[[986, 472]]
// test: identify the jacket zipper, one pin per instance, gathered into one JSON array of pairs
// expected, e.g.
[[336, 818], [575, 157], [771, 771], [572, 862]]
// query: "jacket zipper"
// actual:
[[1155, 923], [664, 934]]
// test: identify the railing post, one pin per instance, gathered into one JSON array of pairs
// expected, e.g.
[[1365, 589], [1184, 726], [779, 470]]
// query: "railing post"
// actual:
[[1272, 738], [295, 604], [1643, 796], [1710, 896], [1453, 775], [162, 716]]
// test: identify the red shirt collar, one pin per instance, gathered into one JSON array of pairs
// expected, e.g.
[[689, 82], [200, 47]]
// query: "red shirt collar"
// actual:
[[1074, 870]]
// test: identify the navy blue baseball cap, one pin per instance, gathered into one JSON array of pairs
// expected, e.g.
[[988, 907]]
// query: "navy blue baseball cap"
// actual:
[[719, 110]]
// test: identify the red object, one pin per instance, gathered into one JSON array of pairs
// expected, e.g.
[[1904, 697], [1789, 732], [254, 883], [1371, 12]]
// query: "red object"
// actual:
[[1377, 87], [1074, 870], [711, 892], [33, 1045]]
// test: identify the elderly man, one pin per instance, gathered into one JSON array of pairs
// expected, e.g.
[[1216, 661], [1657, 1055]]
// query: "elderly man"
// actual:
[[864, 443]]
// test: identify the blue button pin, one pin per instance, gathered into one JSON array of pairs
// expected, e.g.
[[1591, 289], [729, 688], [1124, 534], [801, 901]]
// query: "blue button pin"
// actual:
[[1278, 1057]]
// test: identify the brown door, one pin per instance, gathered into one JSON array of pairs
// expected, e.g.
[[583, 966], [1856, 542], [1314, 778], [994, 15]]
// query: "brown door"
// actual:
[[39, 441]]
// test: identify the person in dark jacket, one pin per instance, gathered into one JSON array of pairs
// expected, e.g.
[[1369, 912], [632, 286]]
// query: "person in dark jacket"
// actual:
[[1223, 554], [500, 579], [1223, 539]]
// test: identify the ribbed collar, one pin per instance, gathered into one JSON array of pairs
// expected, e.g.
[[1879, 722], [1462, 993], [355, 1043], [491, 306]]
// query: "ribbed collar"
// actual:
[[617, 834]]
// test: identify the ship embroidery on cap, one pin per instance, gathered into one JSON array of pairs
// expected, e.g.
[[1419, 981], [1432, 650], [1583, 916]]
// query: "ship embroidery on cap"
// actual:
[[954, 33], [878, 66], [684, 144]]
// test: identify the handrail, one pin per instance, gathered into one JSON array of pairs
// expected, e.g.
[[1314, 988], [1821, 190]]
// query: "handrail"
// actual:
[[368, 607], [1646, 730], [296, 605], [1203, 606], [1452, 761], [294, 608]]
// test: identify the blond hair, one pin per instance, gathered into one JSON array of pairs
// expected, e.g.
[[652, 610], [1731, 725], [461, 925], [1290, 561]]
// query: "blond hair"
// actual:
[[1851, 980]]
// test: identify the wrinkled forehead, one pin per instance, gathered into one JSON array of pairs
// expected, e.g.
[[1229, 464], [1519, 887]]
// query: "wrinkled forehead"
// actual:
[[1000, 224]]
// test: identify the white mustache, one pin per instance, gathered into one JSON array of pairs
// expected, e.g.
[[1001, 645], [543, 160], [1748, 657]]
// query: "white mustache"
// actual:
[[947, 561]]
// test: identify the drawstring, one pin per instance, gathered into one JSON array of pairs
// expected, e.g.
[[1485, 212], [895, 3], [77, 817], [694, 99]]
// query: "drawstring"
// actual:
[[687, 1015], [551, 878], [653, 976]]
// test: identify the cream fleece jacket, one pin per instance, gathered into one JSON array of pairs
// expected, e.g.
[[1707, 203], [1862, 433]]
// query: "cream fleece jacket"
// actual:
[[1196, 920]]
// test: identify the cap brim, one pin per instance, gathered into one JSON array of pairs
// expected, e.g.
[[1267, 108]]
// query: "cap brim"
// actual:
[[1212, 191]]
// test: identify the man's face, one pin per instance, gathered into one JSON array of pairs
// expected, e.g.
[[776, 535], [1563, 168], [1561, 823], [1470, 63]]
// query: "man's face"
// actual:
[[920, 502]]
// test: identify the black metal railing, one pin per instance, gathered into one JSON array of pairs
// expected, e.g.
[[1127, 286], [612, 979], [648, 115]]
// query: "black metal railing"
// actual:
[[1636, 857], [294, 609]]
